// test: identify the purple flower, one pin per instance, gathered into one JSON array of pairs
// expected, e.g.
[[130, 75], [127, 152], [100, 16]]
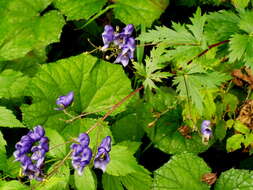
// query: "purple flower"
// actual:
[[81, 154], [31, 166], [125, 44], [103, 158], [65, 101], [206, 131]]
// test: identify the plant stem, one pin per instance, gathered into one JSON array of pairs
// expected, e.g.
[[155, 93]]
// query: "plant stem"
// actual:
[[113, 108], [209, 47]]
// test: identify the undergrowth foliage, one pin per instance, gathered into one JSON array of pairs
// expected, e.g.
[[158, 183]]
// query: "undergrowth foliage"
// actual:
[[142, 83]]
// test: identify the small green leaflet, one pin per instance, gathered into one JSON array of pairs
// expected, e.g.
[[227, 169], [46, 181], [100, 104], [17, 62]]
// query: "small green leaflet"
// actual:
[[182, 172], [97, 86], [12, 185], [25, 29], [79, 9], [234, 142], [235, 179], [139, 12], [7, 119]]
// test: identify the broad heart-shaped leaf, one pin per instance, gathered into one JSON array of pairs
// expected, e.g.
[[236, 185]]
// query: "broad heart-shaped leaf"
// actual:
[[139, 12], [122, 162], [7, 119], [86, 181], [182, 172], [79, 9], [3, 158], [97, 85], [12, 84], [235, 179], [12, 185], [23, 29], [166, 137], [81, 126], [133, 181]]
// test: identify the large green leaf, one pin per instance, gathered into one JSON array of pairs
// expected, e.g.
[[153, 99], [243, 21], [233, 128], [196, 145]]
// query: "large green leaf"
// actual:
[[79, 9], [7, 119], [122, 162], [139, 12], [235, 179], [87, 180], [97, 85], [12, 185], [22, 28], [166, 137], [3, 158], [182, 172], [10, 84]]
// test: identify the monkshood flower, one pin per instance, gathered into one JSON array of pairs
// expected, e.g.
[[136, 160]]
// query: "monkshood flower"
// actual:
[[65, 101], [34, 144], [81, 154], [123, 42], [206, 131], [103, 158]]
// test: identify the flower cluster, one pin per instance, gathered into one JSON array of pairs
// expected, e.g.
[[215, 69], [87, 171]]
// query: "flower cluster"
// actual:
[[81, 154], [65, 101], [102, 158], [32, 164], [206, 131], [122, 41]]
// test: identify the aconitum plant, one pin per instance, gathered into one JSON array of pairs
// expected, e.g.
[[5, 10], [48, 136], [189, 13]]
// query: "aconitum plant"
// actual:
[[65, 101], [32, 155]]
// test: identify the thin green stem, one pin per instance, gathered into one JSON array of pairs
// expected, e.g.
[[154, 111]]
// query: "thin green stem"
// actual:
[[98, 15]]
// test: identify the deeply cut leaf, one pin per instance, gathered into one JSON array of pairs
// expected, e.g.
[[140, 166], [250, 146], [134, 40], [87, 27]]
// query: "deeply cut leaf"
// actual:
[[7, 119]]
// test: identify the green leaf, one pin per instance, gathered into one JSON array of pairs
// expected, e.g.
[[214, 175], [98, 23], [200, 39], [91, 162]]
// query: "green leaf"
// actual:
[[234, 142], [241, 48], [220, 130], [235, 179], [7, 119], [166, 137], [97, 85], [12, 185], [240, 127], [122, 162], [79, 9], [240, 3], [221, 25], [24, 29], [248, 139], [3, 158], [133, 181], [10, 84], [139, 12], [12, 168], [182, 172], [56, 144], [246, 18], [87, 180], [81, 126], [111, 182], [131, 145]]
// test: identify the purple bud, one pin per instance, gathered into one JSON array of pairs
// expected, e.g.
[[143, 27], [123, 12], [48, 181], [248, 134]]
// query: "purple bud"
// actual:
[[206, 131], [128, 30], [84, 139], [107, 36], [37, 133], [103, 158], [65, 101]]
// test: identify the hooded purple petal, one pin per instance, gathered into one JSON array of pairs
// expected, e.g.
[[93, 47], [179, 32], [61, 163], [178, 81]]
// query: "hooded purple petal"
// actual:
[[65, 101]]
